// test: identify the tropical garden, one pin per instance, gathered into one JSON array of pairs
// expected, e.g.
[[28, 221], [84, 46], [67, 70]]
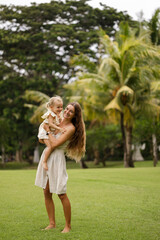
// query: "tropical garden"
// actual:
[[109, 63], [101, 58]]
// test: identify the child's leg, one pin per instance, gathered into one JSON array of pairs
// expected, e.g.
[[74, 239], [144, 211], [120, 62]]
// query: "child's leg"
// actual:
[[47, 153]]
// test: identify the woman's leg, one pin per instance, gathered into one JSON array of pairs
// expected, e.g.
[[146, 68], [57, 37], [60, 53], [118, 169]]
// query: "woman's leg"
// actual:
[[49, 207], [67, 212]]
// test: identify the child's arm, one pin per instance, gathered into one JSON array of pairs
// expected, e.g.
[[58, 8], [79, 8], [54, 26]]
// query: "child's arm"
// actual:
[[51, 124]]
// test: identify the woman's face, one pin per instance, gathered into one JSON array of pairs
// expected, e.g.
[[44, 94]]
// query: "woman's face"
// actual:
[[69, 112]]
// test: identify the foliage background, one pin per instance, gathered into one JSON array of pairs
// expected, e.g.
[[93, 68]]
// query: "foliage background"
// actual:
[[36, 45]]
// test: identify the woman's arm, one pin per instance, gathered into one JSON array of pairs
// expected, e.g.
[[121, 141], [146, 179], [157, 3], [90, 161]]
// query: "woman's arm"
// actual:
[[62, 139]]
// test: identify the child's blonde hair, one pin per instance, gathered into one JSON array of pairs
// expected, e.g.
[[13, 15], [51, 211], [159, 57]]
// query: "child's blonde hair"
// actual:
[[52, 101]]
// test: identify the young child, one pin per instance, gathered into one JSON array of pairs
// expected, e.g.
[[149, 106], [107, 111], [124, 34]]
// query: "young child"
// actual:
[[53, 117]]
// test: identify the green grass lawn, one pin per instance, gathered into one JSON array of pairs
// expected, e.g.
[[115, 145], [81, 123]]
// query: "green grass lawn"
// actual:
[[107, 204]]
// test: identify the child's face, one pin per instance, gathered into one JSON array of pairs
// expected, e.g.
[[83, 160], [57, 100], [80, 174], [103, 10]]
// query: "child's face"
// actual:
[[57, 108]]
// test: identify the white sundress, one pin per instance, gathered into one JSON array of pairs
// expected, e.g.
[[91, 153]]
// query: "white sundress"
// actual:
[[41, 131], [56, 173]]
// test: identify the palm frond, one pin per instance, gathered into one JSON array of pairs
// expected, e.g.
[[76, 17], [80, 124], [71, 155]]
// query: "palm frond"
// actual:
[[155, 86], [108, 63], [113, 105], [131, 72], [36, 117], [110, 46], [36, 96], [31, 106], [83, 61], [96, 76]]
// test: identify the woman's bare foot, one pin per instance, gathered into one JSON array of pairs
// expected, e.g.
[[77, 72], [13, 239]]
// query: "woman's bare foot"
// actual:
[[44, 164], [50, 226], [66, 230]]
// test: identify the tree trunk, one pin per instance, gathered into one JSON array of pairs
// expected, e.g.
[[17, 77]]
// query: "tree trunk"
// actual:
[[124, 141], [96, 156], [36, 154], [19, 153], [3, 154], [103, 162], [17, 158], [127, 143], [129, 146], [155, 154], [83, 164]]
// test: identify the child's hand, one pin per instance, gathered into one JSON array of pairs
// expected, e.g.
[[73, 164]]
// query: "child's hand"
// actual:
[[62, 130], [46, 127], [60, 120]]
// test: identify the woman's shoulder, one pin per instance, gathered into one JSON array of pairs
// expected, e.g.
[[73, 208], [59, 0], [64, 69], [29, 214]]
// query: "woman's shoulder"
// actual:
[[71, 128]]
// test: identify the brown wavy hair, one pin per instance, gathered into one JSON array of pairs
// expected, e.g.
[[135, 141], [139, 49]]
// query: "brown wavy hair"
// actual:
[[77, 145]]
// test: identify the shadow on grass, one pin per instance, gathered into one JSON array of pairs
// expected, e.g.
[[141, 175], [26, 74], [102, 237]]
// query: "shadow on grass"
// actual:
[[17, 165], [74, 165]]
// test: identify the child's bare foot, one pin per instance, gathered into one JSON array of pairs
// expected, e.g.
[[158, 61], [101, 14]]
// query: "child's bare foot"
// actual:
[[66, 230], [44, 164]]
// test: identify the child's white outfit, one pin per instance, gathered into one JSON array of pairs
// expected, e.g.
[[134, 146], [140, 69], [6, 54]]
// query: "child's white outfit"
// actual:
[[42, 132]]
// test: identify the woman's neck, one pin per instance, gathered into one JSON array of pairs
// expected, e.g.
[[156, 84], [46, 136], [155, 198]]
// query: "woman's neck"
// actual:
[[65, 121]]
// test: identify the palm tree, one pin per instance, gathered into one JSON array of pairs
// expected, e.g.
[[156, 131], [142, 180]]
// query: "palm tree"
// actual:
[[154, 26], [38, 110], [155, 93], [120, 83]]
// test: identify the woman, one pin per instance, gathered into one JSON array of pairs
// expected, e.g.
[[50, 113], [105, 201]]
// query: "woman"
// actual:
[[55, 179]]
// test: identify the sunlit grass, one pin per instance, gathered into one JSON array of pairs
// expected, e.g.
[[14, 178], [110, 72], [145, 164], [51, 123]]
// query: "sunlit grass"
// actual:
[[107, 204]]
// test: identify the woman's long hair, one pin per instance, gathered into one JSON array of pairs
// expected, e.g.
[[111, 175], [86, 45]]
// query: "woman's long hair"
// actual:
[[77, 145]]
